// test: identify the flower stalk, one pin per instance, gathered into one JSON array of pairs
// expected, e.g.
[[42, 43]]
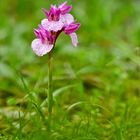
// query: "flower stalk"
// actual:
[[50, 96]]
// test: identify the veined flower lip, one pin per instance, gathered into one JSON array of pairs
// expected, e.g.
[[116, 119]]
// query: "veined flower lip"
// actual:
[[40, 48], [52, 25]]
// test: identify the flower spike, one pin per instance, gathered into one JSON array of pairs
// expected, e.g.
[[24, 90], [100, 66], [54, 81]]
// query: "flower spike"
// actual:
[[58, 19]]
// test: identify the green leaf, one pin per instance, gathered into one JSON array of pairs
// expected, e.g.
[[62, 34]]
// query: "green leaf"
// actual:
[[57, 93], [61, 90], [74, 105]]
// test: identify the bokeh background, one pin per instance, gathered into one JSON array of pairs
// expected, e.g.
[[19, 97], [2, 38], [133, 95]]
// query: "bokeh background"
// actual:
[[101, 76]]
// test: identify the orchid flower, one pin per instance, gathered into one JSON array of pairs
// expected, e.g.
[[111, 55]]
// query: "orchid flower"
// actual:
[[58, 20], [44, 41]]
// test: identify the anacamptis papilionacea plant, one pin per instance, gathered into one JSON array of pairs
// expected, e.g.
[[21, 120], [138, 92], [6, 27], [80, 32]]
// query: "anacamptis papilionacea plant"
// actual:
[[58, 20]]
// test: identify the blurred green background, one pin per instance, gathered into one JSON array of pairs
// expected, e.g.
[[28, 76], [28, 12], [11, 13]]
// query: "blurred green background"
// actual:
[[103, 72]]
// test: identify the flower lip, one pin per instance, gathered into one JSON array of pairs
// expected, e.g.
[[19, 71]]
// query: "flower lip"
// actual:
[[39, 48], [52, 25], [74, 39]]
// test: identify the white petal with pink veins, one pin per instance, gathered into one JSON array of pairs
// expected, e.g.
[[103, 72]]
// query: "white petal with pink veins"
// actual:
[[39, 48], [67, 19], [52, 25], [74, 39]]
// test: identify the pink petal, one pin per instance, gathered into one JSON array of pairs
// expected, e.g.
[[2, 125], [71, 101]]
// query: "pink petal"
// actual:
[[63, 4], [67, 19], [71, 28], [74, 39], [39, 48], [64, 8], [52, 25]]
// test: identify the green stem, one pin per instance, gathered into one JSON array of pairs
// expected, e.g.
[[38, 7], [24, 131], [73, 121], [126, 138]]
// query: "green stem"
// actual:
[[50, 96]]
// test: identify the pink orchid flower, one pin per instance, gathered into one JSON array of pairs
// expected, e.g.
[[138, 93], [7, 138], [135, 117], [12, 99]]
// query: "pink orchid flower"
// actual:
[[70, 30], [57, 17], [58, 20], [44, 41]]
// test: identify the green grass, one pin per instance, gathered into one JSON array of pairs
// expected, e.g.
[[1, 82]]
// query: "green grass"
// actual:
[[96, 85]]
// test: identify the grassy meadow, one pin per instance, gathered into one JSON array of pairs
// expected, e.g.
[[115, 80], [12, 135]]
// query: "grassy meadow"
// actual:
[[96, 86]]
